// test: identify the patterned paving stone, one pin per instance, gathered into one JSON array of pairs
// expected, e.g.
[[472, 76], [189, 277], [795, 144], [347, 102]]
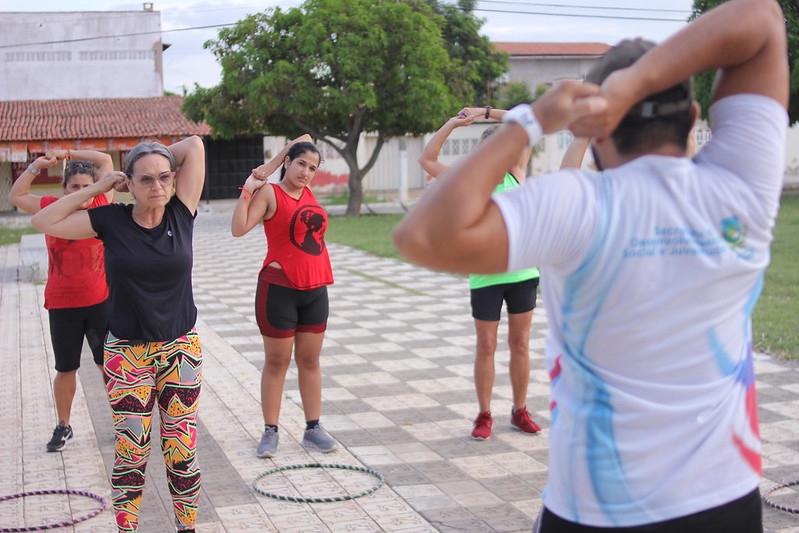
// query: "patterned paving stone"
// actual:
[[397, 394]]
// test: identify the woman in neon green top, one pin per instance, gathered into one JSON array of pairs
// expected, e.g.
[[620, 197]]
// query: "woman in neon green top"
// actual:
[[488, 291]]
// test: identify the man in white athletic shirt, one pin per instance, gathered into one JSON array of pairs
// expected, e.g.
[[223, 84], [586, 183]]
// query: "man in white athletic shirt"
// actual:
[[650, 270]]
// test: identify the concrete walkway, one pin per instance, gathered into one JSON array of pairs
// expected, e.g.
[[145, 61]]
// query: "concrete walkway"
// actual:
[[398, 395]]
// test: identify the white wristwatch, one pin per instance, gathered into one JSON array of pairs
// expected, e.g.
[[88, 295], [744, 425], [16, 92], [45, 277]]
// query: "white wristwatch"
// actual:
[[523, 115], [33, 170]]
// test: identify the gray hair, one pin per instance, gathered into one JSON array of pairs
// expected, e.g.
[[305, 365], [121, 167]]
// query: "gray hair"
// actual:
[[146, 148]]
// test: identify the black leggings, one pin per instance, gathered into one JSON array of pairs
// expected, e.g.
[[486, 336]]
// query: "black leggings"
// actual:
[[744, 515], [68, 326]]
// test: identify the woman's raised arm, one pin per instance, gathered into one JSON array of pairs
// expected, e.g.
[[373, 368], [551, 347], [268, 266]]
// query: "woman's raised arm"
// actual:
[[189, 155], [64, 219]]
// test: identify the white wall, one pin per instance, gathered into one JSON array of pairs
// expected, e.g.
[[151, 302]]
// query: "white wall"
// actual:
[[535, 70], [115, 67], [384, 176]]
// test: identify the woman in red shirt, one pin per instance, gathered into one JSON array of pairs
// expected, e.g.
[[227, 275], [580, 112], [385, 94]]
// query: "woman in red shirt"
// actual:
[[291, 304], [76, 291]]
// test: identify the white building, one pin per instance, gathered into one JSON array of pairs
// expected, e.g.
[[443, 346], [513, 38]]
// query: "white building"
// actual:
[[88, 54], [544, 63]]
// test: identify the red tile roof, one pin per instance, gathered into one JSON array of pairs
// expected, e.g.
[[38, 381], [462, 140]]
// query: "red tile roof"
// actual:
[[95, 118], [553, 49]]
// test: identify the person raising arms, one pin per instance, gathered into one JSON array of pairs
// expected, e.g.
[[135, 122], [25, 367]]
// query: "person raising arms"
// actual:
[[488, 291], [76, 293], [152, 352], [291, 303], [654, 417]]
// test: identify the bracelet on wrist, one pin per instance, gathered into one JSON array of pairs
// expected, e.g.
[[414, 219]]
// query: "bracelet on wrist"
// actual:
[[523, 115], [245, 194], [68, 157], [488, 111], [33, 170]]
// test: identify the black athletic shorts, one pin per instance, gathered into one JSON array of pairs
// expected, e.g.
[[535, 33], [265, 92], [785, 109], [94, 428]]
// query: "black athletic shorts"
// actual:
[[68, 327], [281, 311], [744, 515], [519, 298]]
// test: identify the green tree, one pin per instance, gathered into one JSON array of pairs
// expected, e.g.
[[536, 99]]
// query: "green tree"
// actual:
[[703, 83], [475, 64], [513, 93], [333, 69]]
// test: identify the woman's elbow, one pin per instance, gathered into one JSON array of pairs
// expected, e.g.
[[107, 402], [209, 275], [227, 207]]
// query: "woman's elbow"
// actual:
[[196, 143], [15, 200], [237, 231], [39, 222], [427, 166]]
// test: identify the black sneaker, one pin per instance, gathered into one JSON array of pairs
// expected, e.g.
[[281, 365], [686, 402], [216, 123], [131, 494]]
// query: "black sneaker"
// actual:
[[61, 436]]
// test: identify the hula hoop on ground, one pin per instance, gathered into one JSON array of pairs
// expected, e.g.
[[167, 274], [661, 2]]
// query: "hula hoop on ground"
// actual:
[[299, 499], [103, 505], [777, 505]]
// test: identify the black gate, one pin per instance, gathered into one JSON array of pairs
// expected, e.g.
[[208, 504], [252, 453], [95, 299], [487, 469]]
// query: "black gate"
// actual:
[[229, 164]]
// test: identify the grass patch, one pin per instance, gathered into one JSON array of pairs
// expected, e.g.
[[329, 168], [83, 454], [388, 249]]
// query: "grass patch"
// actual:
[[370, 233], [381, 280], [13, 235], [774, 320], [343, 198]]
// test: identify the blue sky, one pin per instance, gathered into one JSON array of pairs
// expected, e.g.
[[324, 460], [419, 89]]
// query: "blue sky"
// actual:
[[187, 63]]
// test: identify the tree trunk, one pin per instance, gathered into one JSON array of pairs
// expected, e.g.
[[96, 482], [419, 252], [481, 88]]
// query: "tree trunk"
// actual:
[[355, 181], [355, 185]]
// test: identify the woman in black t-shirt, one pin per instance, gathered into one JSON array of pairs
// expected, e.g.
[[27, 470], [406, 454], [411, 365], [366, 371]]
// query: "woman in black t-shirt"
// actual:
[[151, 352]]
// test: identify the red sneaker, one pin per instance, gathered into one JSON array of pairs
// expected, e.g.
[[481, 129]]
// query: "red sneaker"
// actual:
[[482, 426], [521, 420]]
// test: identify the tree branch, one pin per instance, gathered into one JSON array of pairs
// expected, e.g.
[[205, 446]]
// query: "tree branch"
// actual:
[[373, 159]]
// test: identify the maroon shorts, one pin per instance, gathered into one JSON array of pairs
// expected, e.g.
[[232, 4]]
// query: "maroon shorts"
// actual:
[[282, 311]]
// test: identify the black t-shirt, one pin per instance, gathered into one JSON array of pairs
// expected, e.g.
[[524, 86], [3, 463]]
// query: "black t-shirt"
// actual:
[[148, 272]]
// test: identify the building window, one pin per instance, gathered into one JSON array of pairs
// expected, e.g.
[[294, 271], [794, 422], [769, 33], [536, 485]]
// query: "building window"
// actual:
[[39, 57], [117, 55], [459, 146]]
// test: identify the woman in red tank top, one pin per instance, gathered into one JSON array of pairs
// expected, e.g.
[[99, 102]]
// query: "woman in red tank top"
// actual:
[[291, 304], [76, 292]]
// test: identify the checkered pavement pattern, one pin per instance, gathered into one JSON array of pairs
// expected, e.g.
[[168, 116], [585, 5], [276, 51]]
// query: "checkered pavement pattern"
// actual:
[[398, 390], [397, 379], [397, 394]]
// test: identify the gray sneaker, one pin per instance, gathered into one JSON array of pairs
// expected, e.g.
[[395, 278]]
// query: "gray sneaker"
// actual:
[[269, 442], [319, 438]]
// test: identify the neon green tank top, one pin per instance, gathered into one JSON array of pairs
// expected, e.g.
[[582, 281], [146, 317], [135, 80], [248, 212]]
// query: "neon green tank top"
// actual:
[[478, 281]]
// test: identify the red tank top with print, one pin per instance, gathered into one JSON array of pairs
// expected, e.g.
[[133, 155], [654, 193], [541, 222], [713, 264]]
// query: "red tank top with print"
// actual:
[[295, 239], [75, 268]]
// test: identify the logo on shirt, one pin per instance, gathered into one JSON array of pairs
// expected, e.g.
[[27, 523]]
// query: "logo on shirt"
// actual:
[[734, 232], [307, 229]]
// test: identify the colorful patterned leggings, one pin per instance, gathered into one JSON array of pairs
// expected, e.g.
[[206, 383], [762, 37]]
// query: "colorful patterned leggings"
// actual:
[[136, 376]]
